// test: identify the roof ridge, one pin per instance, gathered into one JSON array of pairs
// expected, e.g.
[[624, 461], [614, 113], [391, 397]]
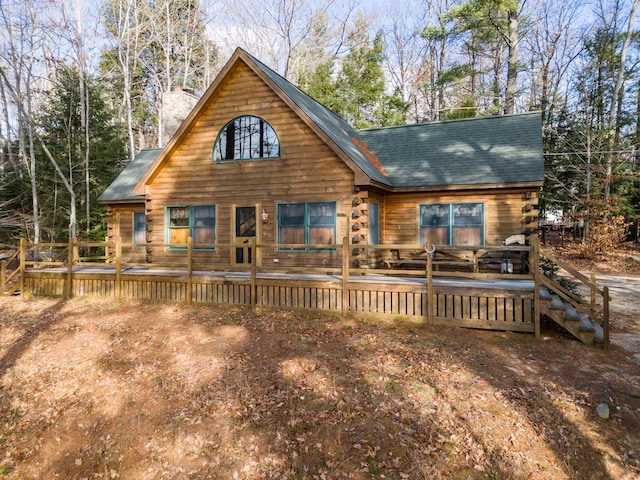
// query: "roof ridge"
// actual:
[[267, 67], [455, 120]]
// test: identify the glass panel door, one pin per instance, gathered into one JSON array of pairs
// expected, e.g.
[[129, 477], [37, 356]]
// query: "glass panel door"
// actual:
[[245, 229]]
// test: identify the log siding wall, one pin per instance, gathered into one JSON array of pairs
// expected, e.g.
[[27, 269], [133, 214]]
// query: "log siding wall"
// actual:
[[504, 213], [307, 171]]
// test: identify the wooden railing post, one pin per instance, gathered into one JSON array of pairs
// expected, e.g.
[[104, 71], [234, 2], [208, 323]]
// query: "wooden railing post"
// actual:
[[3, 277], [118, 267], [23, 263], [106, 249], [534, 265], [254, 271], [594, 292], [189, 270], [430, 294], [605, 317], [70, 259], [345, 275]]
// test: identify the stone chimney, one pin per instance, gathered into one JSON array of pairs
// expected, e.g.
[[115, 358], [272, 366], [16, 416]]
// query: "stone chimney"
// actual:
[[177, 104]]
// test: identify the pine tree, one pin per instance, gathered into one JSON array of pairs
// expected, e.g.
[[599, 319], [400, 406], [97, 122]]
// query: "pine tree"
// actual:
[[63, 134], [358, 92]]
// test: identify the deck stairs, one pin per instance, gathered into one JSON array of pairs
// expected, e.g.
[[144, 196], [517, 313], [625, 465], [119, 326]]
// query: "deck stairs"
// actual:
[[577, 323], [12, 287]]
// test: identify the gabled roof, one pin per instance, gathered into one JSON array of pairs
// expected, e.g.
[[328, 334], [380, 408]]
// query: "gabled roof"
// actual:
[[336, 128], [496, 150], [121, 189], [331, 128], [479, 152]]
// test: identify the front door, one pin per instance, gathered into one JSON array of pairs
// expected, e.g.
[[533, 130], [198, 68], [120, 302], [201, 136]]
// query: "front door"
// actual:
[[244, 229]]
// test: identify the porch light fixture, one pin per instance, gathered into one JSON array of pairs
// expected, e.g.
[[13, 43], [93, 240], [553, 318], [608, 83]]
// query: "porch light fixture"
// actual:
[[264, 215]]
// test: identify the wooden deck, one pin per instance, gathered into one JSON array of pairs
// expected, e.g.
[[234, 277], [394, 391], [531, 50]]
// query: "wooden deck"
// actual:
[[480, 298], [488, 303]]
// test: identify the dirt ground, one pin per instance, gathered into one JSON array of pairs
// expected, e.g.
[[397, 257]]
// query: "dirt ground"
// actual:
[[97, 389]]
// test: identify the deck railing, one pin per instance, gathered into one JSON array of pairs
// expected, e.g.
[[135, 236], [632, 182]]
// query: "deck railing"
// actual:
[[346, 278], [348, 259], [344, 264]]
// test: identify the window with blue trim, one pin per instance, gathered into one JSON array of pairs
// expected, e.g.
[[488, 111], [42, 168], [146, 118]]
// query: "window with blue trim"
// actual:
[[139, 228], [195, 221], [374, 224], [245, 138], [312, 223], [452, 223]]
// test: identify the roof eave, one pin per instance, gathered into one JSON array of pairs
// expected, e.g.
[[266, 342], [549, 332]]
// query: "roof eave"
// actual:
[[140, 199], [465, 187]]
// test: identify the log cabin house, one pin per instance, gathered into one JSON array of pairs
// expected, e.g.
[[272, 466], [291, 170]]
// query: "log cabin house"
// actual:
[[259, 159], [264, 197]]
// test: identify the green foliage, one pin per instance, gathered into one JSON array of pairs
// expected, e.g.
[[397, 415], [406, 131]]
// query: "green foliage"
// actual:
[[467, 109], [357, 92], [64, 136], [589, 175], [320, 84]]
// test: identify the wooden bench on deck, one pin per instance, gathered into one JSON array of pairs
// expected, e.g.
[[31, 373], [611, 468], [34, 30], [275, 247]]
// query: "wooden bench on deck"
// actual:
[[441, 258]]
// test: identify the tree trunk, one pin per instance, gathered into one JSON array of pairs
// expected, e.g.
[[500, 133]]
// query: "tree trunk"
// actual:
[[513, 42], [613, 107]]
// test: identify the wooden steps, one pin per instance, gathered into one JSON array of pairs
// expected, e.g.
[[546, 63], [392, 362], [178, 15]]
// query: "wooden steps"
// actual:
[[576, 323]]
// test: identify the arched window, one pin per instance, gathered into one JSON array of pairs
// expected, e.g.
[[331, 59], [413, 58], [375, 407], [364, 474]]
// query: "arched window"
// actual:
[[244, 138]]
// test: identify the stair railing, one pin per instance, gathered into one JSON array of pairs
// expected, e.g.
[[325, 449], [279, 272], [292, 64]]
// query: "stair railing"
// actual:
[[6, 278], [590, 309]]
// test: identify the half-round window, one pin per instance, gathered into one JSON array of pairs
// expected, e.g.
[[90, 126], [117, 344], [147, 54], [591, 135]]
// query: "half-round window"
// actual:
[[244, 138]]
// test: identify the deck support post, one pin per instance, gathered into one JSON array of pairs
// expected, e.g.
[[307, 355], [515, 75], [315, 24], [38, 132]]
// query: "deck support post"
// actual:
[[118, 266], [189, 270], [605, 317], [534, 266], [430, 294], [71, 255], [345, 275]]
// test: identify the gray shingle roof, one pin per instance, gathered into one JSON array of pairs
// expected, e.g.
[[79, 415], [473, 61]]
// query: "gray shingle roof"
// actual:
[[479, 151], [122, 187], [487, 150], [493, 150]]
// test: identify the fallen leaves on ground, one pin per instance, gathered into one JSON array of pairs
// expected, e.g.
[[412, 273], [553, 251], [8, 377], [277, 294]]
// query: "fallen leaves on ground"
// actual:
[[97, 389]]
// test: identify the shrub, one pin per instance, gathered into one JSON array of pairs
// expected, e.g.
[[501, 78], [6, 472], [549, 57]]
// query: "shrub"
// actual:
[[605, 235]]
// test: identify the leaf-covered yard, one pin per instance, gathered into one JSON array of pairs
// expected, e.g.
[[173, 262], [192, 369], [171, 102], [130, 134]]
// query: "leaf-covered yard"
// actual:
[[102, 389]]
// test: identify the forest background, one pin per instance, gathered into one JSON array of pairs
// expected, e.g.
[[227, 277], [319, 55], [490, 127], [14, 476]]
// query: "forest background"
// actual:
[[83, 86]]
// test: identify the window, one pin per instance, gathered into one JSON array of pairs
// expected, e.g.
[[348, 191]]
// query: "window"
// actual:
[[307, 223], [374, 224], [245, 138], [452, 223], [197, 222], [139, 228]]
